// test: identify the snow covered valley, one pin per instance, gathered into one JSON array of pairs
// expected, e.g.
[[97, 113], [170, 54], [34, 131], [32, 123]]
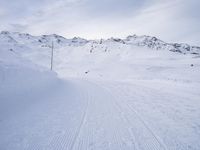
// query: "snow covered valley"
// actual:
[[138, 93]]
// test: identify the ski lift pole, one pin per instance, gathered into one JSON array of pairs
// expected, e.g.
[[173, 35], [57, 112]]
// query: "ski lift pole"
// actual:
[[52, 56]]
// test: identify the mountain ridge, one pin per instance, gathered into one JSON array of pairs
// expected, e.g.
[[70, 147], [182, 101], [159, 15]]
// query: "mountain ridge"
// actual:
[[60, 41]]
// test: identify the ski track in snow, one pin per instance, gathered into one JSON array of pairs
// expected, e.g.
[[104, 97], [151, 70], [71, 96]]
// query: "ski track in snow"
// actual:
[[86, 115]]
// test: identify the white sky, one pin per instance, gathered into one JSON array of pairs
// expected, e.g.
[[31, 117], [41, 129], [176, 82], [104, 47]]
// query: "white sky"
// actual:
[[171, 21]]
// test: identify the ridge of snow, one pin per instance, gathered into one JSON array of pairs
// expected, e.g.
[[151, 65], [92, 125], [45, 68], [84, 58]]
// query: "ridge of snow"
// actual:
[[17, 38]]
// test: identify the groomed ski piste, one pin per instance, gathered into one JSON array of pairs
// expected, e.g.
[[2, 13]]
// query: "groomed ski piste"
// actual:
[[103, 97]]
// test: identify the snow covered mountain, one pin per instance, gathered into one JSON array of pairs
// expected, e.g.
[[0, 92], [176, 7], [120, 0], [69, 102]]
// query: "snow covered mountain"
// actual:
[[15, 39], [135, 57], [134, 93]]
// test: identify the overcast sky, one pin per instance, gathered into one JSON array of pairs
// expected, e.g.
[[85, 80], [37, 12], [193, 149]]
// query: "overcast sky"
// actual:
[[170, 20]]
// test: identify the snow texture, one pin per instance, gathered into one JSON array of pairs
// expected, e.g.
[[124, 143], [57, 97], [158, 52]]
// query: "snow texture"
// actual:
[[138, 93]]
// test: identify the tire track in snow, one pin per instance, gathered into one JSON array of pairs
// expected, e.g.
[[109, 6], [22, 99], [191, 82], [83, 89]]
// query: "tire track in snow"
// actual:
[[90, 132], [128, 122], [151, 92], [70, 115], [77, 134], [122, 117], [114, 134], [127, 107], [150, 130], [158, 139]]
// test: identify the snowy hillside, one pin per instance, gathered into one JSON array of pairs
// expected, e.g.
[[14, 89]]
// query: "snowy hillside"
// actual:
[[138, 93], [136, 56], [19, 77], [22, 39]]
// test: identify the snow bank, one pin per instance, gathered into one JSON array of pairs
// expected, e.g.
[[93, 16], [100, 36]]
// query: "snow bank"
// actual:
[[21, 82]]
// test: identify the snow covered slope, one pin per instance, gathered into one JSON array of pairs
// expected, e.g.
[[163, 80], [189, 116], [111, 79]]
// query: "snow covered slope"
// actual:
[[138, 93], [21, 81], [136, 57]]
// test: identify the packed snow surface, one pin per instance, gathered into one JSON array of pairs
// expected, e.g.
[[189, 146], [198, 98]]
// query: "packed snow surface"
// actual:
[[138, 93]]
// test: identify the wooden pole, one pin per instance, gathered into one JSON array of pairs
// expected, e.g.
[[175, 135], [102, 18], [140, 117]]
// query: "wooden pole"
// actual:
[[52, 47]]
